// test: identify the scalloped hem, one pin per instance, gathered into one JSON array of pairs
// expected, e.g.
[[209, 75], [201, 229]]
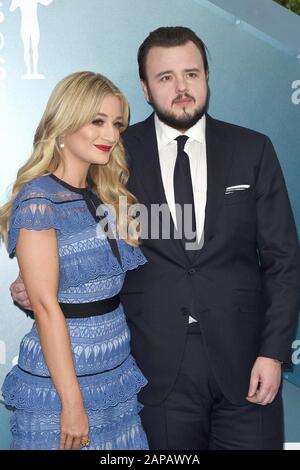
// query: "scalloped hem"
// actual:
[[100, 391], [126, 433]]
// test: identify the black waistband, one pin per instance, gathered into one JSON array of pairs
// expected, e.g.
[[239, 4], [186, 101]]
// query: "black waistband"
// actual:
[[79, 376], [194, 328], [90, 309]]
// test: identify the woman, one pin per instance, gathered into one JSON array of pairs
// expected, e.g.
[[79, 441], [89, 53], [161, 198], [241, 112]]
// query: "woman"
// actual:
[[76, 383]]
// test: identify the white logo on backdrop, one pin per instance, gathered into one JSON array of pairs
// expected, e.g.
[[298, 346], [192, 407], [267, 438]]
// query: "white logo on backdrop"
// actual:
[[2, 42], [30, 34], [2, 352]]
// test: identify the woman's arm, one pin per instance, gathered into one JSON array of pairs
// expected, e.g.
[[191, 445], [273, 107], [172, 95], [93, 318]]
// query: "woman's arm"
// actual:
[[37, 254]]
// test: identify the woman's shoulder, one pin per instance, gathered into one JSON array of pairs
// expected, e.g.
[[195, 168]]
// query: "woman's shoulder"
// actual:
[[35, 189], [33, 209], [43, 187]]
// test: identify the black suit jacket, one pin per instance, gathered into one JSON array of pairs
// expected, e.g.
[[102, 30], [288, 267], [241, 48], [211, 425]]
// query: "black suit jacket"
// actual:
[[243, 285]]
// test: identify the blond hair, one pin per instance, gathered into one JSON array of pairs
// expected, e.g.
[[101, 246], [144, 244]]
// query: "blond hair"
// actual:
[[74, 102]]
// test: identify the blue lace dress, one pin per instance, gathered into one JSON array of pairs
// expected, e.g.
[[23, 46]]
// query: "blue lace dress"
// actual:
[[107, 373]]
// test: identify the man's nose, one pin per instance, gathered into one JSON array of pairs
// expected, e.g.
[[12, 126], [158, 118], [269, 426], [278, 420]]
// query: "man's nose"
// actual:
[[181, 84]]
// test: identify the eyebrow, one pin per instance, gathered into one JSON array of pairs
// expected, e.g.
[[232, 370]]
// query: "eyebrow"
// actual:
[[105, 115], [160, 74]]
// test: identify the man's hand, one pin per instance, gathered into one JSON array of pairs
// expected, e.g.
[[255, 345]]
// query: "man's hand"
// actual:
[[264, 381], [19, 294]]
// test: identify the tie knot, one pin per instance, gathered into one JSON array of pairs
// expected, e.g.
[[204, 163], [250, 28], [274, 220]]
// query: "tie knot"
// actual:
[[181, 141]]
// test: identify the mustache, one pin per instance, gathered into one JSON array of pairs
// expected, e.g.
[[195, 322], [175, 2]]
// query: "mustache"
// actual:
[[183, 95]]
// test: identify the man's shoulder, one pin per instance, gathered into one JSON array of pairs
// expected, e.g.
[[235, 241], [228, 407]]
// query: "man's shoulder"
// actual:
[[134, 130], [138, 129], [234, 131]]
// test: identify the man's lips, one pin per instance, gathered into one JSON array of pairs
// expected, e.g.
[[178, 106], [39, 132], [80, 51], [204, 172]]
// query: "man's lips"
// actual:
[[183, 101], [103, 148]]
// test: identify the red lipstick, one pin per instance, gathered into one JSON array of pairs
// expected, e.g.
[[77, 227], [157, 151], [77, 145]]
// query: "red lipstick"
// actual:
[[103, 148]]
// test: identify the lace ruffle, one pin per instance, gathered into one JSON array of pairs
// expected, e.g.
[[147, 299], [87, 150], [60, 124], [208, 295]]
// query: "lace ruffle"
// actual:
[[38, 422], [117, 427], [36, 394], [84, 266], [96, 347], [127, 434]]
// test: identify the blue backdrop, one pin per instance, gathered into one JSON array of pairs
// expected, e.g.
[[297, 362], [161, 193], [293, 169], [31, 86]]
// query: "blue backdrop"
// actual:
[[254, 82]]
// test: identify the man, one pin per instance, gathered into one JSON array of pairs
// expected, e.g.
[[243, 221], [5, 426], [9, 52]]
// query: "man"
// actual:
[[210, 326]]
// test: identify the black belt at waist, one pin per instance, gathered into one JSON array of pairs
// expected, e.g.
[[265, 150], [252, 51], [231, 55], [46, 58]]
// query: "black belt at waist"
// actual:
[[79, 376], [90, 309]]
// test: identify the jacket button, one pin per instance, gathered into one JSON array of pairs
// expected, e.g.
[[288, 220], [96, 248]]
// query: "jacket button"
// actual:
[[191, 271], [184, 311]]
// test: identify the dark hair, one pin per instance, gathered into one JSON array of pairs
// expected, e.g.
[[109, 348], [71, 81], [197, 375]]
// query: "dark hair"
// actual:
[[169, 36]]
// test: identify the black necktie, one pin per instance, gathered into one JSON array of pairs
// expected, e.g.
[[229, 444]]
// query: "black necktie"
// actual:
[[183, 191]]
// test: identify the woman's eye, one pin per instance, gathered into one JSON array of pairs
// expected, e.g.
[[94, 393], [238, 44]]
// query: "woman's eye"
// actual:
[[97, 122], [119, 125]]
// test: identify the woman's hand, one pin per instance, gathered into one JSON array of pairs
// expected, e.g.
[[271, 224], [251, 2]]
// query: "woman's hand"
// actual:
[[74, 427]]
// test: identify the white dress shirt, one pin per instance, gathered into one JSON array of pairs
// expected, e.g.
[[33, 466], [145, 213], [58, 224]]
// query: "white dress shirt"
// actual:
[[195, 148]]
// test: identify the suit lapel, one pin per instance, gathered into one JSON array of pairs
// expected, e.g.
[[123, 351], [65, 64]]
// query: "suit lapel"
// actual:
[[219, 153], [151, 183], [152, 180]]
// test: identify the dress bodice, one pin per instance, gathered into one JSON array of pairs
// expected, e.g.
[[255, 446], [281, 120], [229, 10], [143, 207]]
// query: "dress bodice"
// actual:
[[89, 269]]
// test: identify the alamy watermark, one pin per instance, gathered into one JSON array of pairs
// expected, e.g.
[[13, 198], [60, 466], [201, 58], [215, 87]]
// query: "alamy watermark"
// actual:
[[296, 94], [296, 353], [155, 223]]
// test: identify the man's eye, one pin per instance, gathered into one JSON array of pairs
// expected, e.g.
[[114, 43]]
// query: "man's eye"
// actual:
[[166, 78], [192, 75]]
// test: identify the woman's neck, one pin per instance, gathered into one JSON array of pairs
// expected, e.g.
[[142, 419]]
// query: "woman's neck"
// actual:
[[73, 176]]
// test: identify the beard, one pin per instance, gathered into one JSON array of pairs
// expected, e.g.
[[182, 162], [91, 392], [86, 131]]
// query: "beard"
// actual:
[[186, 120]]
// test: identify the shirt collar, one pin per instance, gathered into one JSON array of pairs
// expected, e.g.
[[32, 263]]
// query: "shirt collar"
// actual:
[[166, 134]]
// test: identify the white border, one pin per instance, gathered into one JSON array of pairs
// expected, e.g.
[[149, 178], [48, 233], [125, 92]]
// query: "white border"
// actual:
[[292, 446]]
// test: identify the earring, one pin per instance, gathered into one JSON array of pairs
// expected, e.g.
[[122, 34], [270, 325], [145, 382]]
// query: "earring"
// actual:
[[61, 145]]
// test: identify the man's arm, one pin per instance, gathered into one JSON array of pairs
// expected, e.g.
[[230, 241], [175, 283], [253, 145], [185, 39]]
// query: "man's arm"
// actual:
[[278, 249], [19, 295], [279, 254]]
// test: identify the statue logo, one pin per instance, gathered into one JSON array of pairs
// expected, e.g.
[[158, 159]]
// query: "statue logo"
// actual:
[[30, 34]]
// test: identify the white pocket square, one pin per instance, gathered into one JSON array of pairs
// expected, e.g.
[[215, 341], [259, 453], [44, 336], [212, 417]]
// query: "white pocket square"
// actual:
[[238, 187]]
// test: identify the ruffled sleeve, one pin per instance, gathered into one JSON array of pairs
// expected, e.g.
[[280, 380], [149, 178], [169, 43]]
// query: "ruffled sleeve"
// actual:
[[32, 210]]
